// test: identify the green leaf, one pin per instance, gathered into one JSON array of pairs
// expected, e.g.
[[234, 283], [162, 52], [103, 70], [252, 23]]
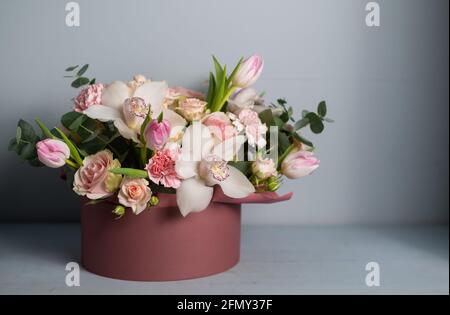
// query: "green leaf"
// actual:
[[301, 123], [303, 140], [130, 172], [283, 142], [304, 113], [218, 68], [220, 92], [18, 134], [235, 70], [80, 82], [73, 149], [45, 131], [328, 120], [92, 81], [12, 145], [71, 68], [322, 109], [315, 123], [28, 151], [35, 162], [211, 89], [279, 122], [27, 131], [266, 117], [281, 101], [73, 120], [82, 70], [160, 117]]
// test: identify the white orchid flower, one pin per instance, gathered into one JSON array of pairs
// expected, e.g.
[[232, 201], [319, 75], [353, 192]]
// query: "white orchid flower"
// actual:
[[127, 107], [203, 164]]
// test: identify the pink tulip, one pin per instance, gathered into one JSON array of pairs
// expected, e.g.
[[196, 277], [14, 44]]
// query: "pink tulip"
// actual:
[[249, 72], [298, 164], [156, 134], [52, 153]]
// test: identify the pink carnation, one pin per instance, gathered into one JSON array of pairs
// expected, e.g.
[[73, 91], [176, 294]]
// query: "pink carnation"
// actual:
[[92, 95], [161, 169]]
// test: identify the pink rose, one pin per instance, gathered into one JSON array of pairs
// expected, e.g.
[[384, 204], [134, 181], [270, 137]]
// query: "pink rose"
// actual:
[[52, 153], [299, 163], [220, 125], [264, 168], [161, 168], [156, 134], [92, 95], [93, 178], [192, 108], [135, 193], [248, 72], [177, 92]]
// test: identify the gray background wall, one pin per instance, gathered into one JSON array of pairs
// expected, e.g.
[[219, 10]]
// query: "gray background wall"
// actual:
[[385, 160]]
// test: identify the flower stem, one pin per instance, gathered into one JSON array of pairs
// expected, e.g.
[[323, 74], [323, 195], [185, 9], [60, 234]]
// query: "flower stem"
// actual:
[[72, 164], [285, 154]]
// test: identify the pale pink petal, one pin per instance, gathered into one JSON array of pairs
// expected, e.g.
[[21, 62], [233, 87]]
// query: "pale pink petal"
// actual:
[[186, 169], [125, 131], [236, 185], [115, 94], [102, 113], [153, 94], [193, 196]]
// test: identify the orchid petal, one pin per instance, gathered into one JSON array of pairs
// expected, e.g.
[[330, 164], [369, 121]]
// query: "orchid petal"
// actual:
[[186, 169], [125, 131], [153, 94], [102, 113], [115, 94], [237, 184], [193, 196]]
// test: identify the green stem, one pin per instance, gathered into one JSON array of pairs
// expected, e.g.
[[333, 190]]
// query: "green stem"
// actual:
[[72, 164], [225, 98], [44, 129], [285, 154]]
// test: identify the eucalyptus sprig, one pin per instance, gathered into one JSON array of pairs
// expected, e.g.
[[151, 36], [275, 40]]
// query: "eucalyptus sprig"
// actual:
[[78, 74]]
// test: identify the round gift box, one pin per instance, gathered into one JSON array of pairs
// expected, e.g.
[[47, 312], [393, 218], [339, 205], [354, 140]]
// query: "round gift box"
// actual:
[[160, 244]]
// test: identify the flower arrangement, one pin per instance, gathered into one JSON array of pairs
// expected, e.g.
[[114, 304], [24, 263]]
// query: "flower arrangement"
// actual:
[[129, 141]]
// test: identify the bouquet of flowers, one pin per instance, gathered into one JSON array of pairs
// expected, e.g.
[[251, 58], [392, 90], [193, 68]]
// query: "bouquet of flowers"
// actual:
[[129, 141]]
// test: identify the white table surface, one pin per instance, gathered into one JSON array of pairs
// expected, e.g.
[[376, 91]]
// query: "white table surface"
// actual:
[[274, 260]]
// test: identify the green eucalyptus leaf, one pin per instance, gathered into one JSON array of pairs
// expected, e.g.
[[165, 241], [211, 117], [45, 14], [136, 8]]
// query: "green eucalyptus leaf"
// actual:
[[80, 82], [27, 131], [301, 123], [92, 81], [315, 123], [71, 68], [82, 70], [328, 120], [18, 134], [322, 109], [28, 151]]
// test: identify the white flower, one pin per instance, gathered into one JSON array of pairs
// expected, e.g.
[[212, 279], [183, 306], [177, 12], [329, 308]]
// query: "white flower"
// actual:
[[127, 107], [203, 164]]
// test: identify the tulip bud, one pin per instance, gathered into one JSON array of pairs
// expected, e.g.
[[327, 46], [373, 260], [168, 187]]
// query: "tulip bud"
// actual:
[[298, 164], [52, 153], [156, 134], [248, 72]]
